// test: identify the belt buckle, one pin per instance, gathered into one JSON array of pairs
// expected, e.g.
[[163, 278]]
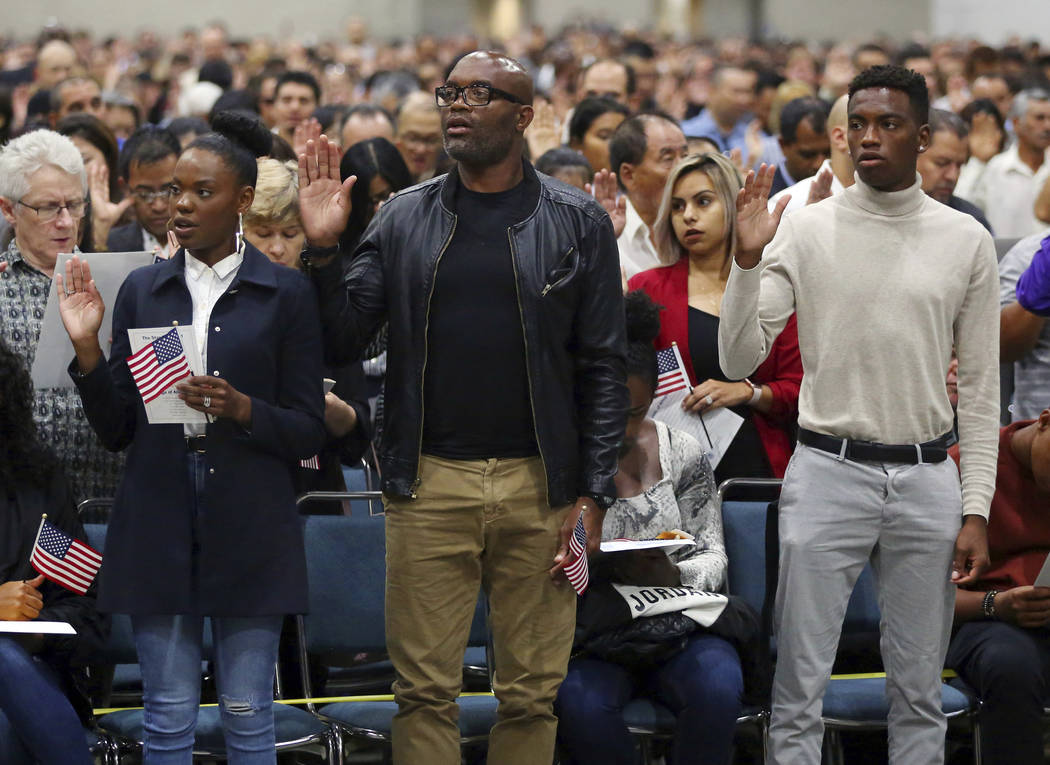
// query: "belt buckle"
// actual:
[[196, 444]]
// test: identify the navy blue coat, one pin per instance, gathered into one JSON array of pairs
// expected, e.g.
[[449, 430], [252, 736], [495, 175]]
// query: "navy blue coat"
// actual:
[[264, 338]]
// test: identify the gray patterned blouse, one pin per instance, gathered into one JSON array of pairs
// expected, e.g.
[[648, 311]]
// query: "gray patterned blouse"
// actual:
[[92, 471], [684, 498]]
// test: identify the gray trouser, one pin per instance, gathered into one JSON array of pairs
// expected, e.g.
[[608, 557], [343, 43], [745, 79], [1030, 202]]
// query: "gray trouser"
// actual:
[[835, 516]]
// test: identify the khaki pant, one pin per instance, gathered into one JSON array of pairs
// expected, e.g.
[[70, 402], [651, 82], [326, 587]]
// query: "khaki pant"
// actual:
[[476, 523]]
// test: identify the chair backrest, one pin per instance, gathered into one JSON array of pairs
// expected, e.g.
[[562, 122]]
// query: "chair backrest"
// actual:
[[346, 565], [1003, 245], [744, 531]]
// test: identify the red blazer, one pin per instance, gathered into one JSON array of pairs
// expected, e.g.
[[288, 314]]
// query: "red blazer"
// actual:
[[781, 371]]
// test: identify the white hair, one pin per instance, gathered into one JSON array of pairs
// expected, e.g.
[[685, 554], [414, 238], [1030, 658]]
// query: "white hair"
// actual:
[[28, 153]]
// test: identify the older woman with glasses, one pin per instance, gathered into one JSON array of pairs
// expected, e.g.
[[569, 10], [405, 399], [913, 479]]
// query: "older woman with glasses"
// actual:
[[43, 193]]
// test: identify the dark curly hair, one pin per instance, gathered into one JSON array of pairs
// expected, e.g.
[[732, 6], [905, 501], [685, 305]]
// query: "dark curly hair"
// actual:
[[23, 457], [643, 325], [896, 78]]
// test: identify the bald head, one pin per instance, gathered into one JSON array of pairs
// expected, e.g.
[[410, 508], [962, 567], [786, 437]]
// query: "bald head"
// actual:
[[54, 63], [504, 72]]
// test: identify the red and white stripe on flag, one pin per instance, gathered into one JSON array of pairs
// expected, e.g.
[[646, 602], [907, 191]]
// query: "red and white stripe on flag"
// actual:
[[63, 559], [670, 370], [313, 463], [156, 366], [577, 571]]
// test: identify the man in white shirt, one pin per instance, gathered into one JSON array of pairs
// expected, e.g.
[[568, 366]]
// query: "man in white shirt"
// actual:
[[885, 281], [642, 152], [1012, 180], [839, 166]]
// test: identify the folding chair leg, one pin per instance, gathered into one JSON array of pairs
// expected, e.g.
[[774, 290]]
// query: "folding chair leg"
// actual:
[[833, 754], [647, 750]]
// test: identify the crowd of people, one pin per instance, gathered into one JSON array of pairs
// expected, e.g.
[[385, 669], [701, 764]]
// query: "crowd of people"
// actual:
[[459, 265]]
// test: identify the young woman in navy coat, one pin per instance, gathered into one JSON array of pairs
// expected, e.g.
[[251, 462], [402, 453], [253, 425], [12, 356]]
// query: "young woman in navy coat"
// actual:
[[204, 522]]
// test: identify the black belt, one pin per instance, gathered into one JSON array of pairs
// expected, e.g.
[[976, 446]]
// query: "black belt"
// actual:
[[197, 444], [870, 451]]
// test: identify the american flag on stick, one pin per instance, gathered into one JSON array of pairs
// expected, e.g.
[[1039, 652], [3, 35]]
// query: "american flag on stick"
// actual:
[[156, 366], [671, 374], [577, 572], [63, 559]]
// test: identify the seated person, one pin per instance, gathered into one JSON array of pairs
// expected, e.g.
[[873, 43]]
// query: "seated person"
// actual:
[[273, 225], [664, 483], [42, 704], [1001, 645]]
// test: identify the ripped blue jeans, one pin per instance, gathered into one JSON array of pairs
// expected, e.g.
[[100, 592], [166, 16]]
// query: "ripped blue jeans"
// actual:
[[244, 654]]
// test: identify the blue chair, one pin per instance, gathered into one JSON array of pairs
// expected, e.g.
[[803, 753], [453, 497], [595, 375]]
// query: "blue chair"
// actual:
[[296, 729], [346, 565]]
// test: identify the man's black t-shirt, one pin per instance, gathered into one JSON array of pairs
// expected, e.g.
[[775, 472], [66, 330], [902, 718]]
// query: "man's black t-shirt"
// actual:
[[476, 388]]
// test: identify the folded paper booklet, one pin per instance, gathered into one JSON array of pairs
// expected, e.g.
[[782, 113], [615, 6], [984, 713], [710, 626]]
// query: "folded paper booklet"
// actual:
[[53, 349], [1043, 580], [38, 628], [715, 429], [161, 357], [667, 545]]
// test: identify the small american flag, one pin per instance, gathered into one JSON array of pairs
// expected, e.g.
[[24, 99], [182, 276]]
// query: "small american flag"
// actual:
[[313, 463], [158, 365], [577, 572], [670, 371], [64, 560]]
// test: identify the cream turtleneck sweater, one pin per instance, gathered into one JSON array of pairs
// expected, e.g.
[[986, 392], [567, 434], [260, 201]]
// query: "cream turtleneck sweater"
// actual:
[[884, 285]]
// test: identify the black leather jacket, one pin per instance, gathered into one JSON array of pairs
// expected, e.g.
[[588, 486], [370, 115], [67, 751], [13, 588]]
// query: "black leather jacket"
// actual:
[[568, 281]]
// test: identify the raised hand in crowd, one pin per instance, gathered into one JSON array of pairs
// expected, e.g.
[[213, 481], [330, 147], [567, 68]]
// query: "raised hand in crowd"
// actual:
[[985, 137], [755, 223], [820, 189], [20, 601], [81, 307], [324, 200], [742, 163], [606, 193], [105, 213], [544, 132], [307, 130]]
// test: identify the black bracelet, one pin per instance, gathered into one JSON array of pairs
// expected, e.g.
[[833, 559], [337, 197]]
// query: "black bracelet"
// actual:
[[988, 604]]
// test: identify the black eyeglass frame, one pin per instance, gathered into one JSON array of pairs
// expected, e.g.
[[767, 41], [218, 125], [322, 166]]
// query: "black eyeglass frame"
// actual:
[[461, 91]]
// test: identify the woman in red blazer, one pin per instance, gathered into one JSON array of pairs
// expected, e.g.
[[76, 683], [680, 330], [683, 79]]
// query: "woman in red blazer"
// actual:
[[695, 234]]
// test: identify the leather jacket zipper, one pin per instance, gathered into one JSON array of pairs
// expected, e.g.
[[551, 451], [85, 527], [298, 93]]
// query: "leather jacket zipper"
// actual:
[[525, 341], [549, 286], [426, 333]]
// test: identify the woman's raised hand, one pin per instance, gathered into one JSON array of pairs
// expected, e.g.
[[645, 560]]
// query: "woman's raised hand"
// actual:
[[81, 308], [324, 200], [755, 224]]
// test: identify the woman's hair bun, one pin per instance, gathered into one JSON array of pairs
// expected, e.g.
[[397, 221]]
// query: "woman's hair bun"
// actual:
[[244, 130], [643, 317]]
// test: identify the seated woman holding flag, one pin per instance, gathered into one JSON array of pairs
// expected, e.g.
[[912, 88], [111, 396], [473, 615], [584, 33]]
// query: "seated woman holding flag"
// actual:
[[204, 522], [665, 484], [695, 237], [42, 702]]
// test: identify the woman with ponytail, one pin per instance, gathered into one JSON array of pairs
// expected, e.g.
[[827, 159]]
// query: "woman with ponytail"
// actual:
[[664, 483], [204, 521]]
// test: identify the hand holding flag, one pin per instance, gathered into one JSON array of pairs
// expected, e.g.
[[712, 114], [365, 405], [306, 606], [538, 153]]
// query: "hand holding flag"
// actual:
[[571, 560]]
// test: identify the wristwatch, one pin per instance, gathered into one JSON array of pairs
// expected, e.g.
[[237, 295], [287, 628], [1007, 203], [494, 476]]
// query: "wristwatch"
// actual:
[[310, 254]]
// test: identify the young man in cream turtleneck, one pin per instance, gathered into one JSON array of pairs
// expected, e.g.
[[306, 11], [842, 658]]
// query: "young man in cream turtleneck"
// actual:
[[885, 281]]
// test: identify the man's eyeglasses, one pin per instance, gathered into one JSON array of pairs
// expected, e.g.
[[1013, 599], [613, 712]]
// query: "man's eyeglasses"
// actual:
[[49, 212], [475, 94], [146, 196]]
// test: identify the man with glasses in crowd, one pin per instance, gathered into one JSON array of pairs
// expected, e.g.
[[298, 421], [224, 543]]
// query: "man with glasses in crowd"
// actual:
[[505, 405], [146, 166]]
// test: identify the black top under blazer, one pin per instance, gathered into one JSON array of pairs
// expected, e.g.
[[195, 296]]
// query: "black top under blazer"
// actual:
[[244, 556]]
